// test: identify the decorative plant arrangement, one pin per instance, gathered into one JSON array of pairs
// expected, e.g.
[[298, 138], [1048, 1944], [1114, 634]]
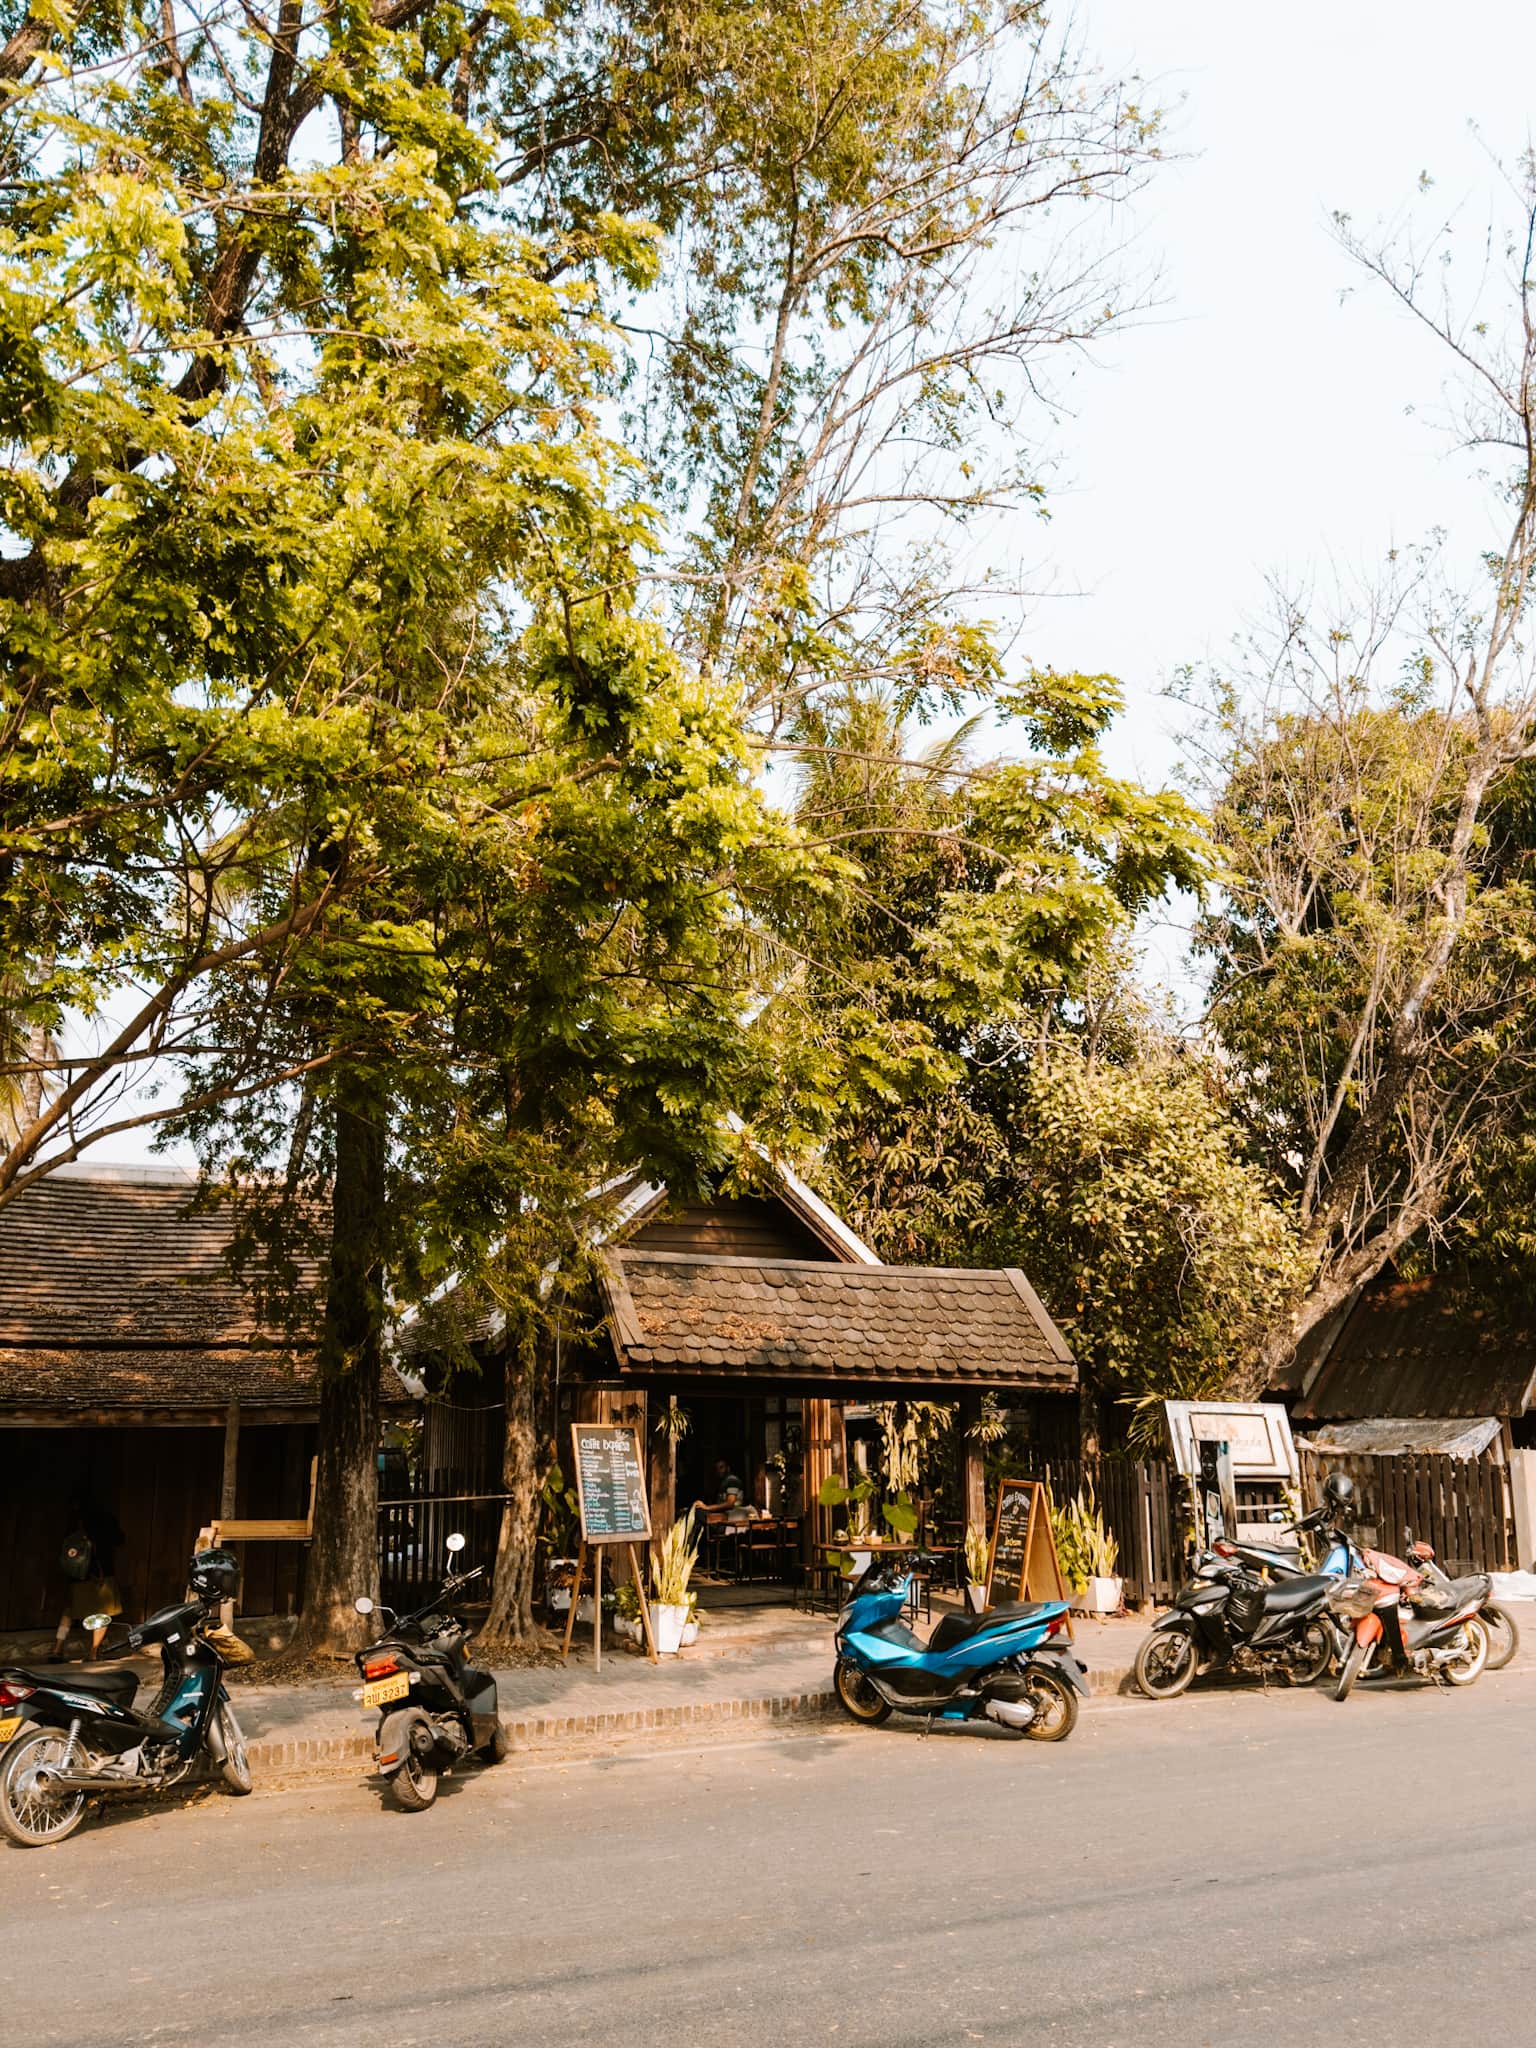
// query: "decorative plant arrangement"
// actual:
[[672, 1563], [674, 1422], [1088, 1552], [899, 1515], [975, 1569]]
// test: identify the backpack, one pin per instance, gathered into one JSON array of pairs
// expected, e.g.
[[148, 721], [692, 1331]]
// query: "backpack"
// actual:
[[75, 1557]]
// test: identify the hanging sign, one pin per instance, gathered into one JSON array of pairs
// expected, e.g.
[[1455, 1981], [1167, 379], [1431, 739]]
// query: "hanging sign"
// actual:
[[610, 1483], [1023, 1562]]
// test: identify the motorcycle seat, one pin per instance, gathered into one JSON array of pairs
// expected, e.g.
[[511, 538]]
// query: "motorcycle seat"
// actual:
[[118, 1686], [1290, 1594], [959, 1628]]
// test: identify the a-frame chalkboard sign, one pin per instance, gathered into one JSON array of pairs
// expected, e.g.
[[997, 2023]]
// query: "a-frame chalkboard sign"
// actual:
[[614, 1508], [1023, 1561]]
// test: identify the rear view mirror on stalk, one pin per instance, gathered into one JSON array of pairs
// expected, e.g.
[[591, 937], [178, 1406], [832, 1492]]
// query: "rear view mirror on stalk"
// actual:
[[363, 1604], [455, 1542]]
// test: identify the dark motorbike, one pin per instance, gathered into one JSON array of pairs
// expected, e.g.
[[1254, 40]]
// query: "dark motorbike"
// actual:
[[1227, 1618], [436, 1708], [83, 1738]]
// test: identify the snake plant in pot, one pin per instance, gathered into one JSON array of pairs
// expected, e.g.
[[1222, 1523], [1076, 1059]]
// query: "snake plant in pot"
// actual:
[[672, 1563]]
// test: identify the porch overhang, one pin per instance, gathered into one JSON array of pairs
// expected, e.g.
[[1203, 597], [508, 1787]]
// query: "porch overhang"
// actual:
[[826, 1328]]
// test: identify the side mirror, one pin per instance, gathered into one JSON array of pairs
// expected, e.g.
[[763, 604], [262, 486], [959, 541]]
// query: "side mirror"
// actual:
[[455, 1542], [1277, 1515], [363, 1604]]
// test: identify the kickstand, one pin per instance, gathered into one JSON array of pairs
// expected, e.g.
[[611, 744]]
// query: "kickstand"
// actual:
[[927, 1728]]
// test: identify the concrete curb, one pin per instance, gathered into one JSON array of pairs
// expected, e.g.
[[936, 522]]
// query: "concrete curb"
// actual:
[[538, 1731]]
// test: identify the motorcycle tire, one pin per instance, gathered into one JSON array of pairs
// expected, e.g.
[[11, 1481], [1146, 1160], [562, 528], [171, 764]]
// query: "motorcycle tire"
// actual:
[[414, 1786], [1351, 1671], [1149, 1676], [235, 1769], [499, 1748], [1503, 1636], [1309, 1669], [1469, 1667], [31, 1819], [1055, 1703], [857, 1697]]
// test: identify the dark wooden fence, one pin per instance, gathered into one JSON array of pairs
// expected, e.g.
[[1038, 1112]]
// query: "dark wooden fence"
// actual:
[[413, 1542], [1460, 1505], [1139, 1500]]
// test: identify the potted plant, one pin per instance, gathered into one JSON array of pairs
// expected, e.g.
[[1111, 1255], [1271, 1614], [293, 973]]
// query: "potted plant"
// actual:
[[626, 1615], [672, 1563], [1089, 1558], [975, 1569], [691, 1625]]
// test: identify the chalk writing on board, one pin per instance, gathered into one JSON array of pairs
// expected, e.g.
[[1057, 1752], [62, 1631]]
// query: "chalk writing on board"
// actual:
[[610, 1482]]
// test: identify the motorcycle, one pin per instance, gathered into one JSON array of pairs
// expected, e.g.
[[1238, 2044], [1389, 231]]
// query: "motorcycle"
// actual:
[[436, 1707], [1403, 1624], [1227, 1617], [84, 1738], [1013, 1666]]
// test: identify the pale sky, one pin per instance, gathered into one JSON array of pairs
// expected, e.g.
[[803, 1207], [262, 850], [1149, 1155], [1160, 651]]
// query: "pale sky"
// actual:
[[1258, 422]]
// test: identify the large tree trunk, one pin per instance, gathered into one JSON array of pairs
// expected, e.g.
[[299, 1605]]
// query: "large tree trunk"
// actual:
[[344, 1555], [510, 1621]]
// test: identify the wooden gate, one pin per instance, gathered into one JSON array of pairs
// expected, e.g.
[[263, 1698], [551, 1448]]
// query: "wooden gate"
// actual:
[[1460, 1505]]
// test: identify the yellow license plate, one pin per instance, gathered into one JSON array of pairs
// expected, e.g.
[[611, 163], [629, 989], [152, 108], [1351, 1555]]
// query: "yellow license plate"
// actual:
[[385, 1689], [9, 1726]]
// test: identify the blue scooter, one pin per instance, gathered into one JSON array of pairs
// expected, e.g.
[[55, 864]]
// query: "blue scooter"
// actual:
[[1014, 1665]]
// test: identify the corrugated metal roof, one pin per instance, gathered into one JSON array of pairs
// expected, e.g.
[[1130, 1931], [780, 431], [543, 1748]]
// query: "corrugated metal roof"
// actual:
[[1431, 1347]]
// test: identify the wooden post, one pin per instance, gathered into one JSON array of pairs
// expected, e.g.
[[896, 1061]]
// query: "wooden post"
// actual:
[[570, 1612], [228, 1489], [661, 1472], [597, 1607], [973, 1470], [645, 1605]]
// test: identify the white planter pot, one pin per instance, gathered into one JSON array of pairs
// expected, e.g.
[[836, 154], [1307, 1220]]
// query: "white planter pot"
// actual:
[[560, 1599], [667, 1624], [1100, 1596], [630, 1630], [584, 1607], [976, 1599], [690, 1633]]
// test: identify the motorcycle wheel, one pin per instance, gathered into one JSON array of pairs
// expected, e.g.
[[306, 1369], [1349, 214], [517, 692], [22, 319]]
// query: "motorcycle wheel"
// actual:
[[414, 1785], [1311, 1656], [1468, 1665], [1165, 1664], [235, 1770], [499, 1748], [1055, 1705], [35, 1818], [856, 1696], [1503, 1636], [1351, 1671]]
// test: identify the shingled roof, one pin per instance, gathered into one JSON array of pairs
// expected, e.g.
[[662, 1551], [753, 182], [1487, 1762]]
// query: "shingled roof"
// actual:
[[115, 1292], [813, 1321]]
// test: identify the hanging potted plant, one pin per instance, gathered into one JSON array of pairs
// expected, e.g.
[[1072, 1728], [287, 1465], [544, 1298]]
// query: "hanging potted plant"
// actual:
[[672, 1563], [975, 1570]]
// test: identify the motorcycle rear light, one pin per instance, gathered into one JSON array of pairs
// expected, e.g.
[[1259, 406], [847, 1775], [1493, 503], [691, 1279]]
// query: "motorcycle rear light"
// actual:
[[381, 1667], [1055, 1625], [1225, 1549], [13, 1695]]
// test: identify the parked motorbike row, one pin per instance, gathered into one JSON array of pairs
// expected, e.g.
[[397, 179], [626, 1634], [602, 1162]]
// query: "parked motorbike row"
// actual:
[[1362, 1614], [65, 1741]]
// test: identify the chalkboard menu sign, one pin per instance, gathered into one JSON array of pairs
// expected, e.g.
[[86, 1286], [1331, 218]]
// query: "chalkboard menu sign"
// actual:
[[1023, 1561], [610, 1482]]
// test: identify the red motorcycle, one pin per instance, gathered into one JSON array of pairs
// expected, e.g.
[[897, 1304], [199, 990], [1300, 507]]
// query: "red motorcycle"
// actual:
[[1404, 1621]]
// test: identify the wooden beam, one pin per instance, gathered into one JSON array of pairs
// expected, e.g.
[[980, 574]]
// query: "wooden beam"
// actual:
[[973, 1471]]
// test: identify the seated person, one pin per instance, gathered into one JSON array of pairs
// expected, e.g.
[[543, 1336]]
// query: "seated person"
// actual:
[[729, 1491]]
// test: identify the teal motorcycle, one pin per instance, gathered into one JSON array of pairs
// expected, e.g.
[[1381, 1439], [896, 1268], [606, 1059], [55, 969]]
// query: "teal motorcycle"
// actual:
[[1013, 1666]]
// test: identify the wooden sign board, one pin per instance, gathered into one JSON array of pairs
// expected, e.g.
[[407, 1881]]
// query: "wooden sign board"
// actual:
[[1023, 1559], [610, 1483]]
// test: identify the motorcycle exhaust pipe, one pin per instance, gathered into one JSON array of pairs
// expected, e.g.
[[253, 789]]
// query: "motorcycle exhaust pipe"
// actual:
[[95, 1781], [1011, 1713]]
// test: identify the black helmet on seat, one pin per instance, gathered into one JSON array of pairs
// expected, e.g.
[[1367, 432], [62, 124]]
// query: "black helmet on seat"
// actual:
[[215, 1574], [1339, 1494]]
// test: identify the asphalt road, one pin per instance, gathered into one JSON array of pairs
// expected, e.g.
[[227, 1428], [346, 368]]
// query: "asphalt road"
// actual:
[[1237, 1868]]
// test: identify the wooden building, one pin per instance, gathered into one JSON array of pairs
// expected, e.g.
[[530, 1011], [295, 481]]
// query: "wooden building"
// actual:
[[135, 1370]]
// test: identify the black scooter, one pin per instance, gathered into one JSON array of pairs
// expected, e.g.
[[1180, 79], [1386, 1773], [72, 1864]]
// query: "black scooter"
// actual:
[[1226, 1617], [435, 1707], [82, 1737]]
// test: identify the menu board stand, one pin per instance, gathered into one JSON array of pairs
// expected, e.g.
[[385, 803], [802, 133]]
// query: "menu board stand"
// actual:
[[1023, 1554], [611, 1498]]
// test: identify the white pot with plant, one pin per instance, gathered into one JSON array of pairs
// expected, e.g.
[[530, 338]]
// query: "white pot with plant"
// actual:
[[691, 1625], [975, 1570], [672, 1563], [1089, 1554]]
